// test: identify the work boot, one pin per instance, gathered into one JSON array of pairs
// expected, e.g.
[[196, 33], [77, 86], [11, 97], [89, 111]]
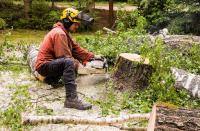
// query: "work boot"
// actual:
[[77, 104]]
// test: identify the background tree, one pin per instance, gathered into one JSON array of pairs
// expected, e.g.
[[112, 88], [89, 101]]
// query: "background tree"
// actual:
[[27, 5], [53, 4], [111, 13], [156, 10]]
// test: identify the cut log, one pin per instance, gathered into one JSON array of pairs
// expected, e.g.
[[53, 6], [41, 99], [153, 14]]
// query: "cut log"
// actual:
[[31, 58], [34, 120], [131, 70], [181, 40], [186, 80], [166, 118]]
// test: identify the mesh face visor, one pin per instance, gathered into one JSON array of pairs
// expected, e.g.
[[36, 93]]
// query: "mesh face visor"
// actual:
[[86, 19]]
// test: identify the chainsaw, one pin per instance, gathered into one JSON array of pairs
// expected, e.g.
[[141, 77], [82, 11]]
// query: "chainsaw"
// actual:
[[97, 65]]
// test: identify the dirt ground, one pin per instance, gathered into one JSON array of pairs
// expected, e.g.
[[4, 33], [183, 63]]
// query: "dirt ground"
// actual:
[[44, 96]]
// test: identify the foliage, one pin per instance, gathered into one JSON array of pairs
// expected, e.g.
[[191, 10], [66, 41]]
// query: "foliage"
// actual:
[[126, 20], [162, 59], [161, 84], [180, 16], [42, 17], [6, 3], [112, 45], [36, 22], [135, 2], [2, 23], [10, 12], [82, 3], [155, 10], [109, 104], [185, 24], [39, 8]]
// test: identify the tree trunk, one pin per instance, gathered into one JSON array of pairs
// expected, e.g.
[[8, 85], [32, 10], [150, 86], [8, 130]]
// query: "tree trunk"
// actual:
[[166, 118], [27, 5], [52, 4], [131, 70], [111, 13], [188, 81]]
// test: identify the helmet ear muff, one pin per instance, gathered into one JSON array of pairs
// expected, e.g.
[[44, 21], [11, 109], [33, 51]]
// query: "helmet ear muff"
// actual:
[[67, 23]]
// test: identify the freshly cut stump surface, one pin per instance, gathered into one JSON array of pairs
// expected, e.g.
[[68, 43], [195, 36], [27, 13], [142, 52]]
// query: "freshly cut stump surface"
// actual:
[[132, 71]]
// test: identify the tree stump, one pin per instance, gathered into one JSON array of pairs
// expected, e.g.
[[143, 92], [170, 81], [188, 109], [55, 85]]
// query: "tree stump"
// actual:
[[166, 118], [186, 80], [131, 70]]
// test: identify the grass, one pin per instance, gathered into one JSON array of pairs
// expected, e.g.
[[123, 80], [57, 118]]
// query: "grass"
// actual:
[[30, 36], [16, 36]]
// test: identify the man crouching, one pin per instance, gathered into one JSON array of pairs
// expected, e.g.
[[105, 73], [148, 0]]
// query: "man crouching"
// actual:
[[60, 56]]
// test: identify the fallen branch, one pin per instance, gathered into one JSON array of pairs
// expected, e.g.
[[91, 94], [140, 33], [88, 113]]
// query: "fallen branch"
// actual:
[[34, 120], [109, 30]]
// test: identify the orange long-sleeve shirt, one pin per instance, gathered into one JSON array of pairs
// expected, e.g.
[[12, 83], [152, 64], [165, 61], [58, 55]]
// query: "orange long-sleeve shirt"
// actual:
[[57, 44]]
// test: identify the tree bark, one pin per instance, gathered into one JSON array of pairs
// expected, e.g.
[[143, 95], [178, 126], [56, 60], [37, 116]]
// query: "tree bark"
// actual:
[[166, 118], [27, 5], [186, 80], [132, 71], [34, 120], [31, 59]]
